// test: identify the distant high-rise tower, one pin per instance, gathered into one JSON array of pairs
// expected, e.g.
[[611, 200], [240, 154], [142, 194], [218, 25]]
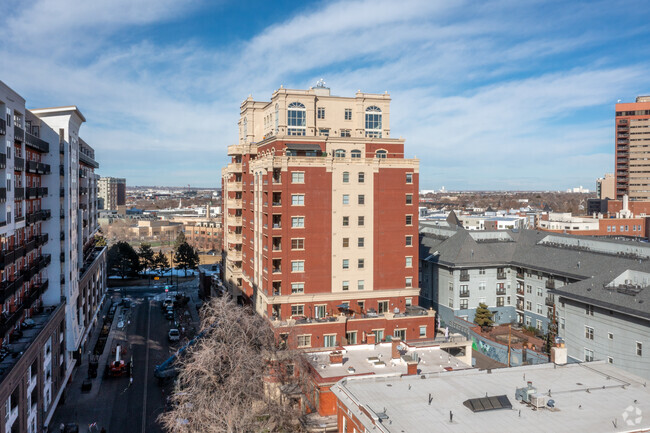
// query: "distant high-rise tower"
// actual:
[[633, 149]]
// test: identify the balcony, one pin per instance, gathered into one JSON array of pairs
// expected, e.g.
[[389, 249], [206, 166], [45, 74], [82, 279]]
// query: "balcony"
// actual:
[[19, 134], [464, 276], [235, 149], [464, 294], [520, 304], [88, 160], [42, 239], [36, 143], [62, 192], [3, 195], [36, 192], [234, 203], [550, 300], [36, 167], [520, 291], [501, 275], [30, 245], [83, 206], [235, 167], [19, 219], [235, 186], [550, 284], [501, 291], [3, 127], [19, 164], [61, 170], [234, 220], [3, 160], [520, 275], [19, 251], [19, 194]]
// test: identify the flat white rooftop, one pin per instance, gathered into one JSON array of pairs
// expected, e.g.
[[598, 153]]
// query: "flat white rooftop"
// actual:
[[590, 397], [375, 359]]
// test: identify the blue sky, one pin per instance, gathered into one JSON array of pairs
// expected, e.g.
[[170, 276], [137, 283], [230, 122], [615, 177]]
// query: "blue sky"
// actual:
[[505, 94]]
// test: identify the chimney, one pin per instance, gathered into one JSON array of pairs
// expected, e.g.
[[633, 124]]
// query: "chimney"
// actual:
[[370, 338], [336, 358], [411, 368], [395, 352]]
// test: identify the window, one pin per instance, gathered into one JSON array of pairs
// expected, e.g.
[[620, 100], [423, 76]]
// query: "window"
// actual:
[[409, 177], [538, 324], [529, 306], [361, 284], [355, 153], [409, 198], [529, 289], [373, 122], [481, 271], [346, 242], [361, 242], [500, 301], [329, 340], [346, 221], [639, 348], [381, 154], [540, 309], [297, 310], [610, 360], [408, 282], [304, 341], [346, 177], [323, 132], [423, 331], [346, 133], [297, 177], [409, 262], [589, 355], [298, 244], [319, 311], [297, 222], [361, 221], [540, 292], [464, 304], [298, 266], [298, 199], [409, 220], [351, 336], [451, 302], [346, 198], [589, 310], [400, 333], [339, 153], [409, 241], [345, 285], [382, 307], [296, 119], [297, 287], [361, 199], [589, 333], [321, 112], [361, 263], [610, 336], [482, 285], [379, 334], [346, 264], [362, 177], [528, 321], [348, 114]]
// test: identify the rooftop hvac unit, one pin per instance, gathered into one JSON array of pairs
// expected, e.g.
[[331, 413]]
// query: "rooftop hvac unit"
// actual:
[[524, 394], [537, 401]]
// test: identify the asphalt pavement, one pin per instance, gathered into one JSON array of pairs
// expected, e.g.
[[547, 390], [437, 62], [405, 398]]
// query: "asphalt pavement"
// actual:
[[116, 403]]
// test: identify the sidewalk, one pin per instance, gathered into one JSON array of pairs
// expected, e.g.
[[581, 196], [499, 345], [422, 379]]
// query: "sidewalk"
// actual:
[[66, 413]]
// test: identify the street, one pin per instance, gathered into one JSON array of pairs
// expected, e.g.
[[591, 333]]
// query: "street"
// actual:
[[114, 403]]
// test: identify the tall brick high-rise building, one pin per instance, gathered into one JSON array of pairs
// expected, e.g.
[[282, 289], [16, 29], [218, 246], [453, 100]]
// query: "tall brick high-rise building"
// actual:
[[321, 219], [633, 149]]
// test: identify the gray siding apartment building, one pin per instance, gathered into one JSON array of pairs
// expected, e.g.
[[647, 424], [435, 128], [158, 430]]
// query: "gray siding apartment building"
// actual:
[[593, 289]]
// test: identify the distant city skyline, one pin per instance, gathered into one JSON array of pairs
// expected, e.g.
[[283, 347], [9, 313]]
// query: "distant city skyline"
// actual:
[[497, 95]]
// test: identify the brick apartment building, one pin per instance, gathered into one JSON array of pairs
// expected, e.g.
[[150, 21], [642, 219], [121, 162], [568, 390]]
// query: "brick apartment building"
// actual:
[[204, 234], [321, 219], [632, 150]]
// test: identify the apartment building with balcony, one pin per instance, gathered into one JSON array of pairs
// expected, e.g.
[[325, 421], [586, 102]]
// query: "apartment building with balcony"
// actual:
[[112, 192], [564, 283], [320, 219], [78, 273], [33, 365], [632, 147]]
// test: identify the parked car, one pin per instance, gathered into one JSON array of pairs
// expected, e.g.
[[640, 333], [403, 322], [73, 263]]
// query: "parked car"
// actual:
[[173, 335]]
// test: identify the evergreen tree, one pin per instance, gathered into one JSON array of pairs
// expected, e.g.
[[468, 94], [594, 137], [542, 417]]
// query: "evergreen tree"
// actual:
[[483, 316], [123, 260], [160, 263], [179, 240], [186, 257], [146, 255]]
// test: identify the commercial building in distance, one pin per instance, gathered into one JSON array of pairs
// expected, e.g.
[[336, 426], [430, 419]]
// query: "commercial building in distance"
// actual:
[[320, 217], [50, 288], [633, 149], [592, 291], [112, 192], [606, 187]]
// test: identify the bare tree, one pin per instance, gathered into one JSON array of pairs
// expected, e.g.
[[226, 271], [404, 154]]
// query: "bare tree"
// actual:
[[235, 379]]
